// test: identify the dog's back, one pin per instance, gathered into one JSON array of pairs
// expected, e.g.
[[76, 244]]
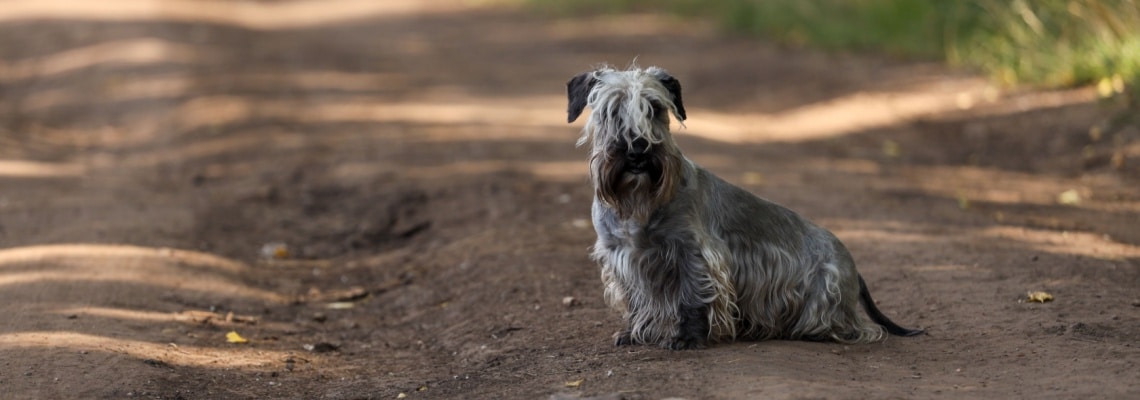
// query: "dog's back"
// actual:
[[787, 272]]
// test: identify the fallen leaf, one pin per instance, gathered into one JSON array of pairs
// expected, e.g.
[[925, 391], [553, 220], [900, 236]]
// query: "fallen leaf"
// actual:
[[1039, 297], [1069, 197], [234, 337], [1117, 160], [1096, 133], [752, 178], [574, 384], [963, 202], [340, 305], [422, 388], [891, 148], [275, 251], [401, 395]]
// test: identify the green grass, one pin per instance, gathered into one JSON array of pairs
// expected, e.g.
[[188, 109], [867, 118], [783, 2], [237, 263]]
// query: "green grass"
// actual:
[[1045, 43]]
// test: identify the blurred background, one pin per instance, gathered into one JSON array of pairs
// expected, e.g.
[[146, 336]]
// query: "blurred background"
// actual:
[[382, 198], [1048, 43]]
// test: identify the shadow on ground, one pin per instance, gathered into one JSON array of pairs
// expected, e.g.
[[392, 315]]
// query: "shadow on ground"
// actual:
[[436, 211]]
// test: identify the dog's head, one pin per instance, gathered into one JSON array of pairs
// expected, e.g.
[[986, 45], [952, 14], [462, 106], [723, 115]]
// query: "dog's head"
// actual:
[[634, 162]]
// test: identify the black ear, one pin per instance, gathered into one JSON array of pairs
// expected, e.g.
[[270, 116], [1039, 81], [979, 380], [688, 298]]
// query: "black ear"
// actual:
[[674, 87], [577, 91]]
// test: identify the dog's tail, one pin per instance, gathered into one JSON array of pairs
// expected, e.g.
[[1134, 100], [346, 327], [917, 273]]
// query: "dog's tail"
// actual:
[[878, 317]]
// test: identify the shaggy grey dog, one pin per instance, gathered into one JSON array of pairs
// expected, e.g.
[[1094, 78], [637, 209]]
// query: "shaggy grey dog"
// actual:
[[691, 259]]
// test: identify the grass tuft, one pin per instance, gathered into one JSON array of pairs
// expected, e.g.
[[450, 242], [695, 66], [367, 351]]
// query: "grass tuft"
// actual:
[[1044, 43]]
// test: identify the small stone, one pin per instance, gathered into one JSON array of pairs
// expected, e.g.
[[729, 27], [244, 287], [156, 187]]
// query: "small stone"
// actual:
[[322, 347], [569, 301]]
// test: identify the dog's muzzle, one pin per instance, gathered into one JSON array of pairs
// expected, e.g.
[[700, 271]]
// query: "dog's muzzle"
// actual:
[[637, 157]]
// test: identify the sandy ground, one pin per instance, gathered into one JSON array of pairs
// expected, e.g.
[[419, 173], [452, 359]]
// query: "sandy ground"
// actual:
[[413, 157]]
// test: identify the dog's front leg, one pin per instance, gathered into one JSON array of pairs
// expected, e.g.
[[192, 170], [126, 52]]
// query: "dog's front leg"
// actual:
[[624, 337], [693, 327], [691, 330], [686, 285], [692, 308], [666, 296]]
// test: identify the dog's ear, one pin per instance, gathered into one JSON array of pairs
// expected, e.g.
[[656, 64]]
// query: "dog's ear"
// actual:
[[577, 91], [674, 87]]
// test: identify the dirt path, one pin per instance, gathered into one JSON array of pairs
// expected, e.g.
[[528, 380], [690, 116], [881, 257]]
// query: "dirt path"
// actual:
[[412, 155]]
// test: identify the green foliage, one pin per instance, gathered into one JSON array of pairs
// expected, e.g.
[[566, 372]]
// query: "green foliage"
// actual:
[[1054, 42], [895, 26], [1038, 42]]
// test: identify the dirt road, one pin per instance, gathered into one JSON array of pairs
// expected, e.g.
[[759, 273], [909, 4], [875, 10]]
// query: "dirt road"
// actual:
[[413, 158]]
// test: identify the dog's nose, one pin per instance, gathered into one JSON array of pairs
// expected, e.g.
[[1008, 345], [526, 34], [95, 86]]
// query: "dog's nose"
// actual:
[[637, 150]]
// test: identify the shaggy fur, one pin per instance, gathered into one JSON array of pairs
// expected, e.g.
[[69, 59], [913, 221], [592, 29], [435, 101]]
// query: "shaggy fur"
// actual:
[[691, 259]]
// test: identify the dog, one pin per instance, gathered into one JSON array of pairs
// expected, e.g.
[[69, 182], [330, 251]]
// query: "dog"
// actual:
[[690, 259]]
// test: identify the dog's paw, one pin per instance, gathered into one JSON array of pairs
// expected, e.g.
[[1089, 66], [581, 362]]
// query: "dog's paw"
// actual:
[[622, 338], [686, 343]]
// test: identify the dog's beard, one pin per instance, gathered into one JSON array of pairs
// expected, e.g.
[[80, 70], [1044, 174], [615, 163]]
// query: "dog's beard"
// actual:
[[634, 192]]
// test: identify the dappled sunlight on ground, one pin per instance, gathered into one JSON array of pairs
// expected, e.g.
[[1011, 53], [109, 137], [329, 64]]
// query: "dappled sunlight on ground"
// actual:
[[413, 160], [141, 51], [1087, 244], [254, 15], [186, 317], [211, 111], [35, 169], [96, 304], [1075, 243], [862, 111], [99, 252], [193, 356], [856, 112]]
